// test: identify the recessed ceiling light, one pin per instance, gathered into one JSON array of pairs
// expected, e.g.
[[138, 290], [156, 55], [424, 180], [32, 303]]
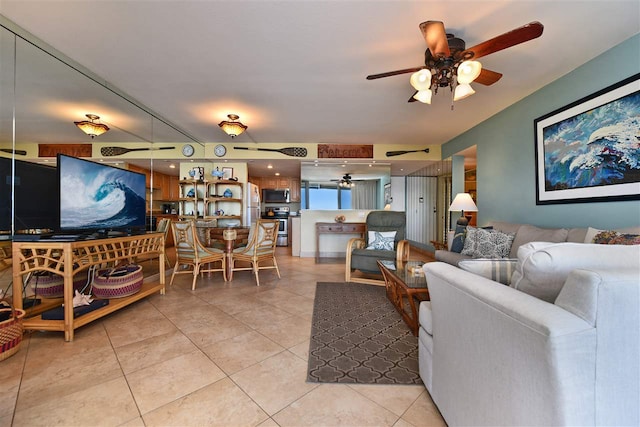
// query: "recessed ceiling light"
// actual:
[[277, 173], [269, 166], [172, 166]]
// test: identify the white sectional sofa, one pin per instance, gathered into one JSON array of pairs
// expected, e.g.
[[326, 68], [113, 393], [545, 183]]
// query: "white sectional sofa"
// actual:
[[569, 354]]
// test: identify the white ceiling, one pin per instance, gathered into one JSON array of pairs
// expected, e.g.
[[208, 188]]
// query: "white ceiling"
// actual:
[[294, 71]]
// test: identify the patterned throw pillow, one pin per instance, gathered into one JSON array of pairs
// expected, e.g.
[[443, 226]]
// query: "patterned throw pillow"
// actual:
[[610, 237], [480, 243], [499, 270], [381, 240]]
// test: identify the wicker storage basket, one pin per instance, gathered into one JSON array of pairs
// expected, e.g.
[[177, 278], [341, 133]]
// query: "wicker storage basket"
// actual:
[[118, 282], [50, 285], [11, 333]]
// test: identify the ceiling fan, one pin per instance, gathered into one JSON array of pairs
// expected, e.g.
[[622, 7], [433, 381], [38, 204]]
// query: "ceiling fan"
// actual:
[[448, 63], [345, 182]]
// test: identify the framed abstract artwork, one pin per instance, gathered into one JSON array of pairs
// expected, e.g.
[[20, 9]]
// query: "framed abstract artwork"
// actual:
[[589, 151]]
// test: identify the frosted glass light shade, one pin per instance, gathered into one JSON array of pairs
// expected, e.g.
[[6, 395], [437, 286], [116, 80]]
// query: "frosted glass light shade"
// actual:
[[421, 80], [468, 71], [423, 96], [462, 91]]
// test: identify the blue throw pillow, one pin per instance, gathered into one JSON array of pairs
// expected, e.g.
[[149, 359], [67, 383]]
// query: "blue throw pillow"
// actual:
[[458, 238]]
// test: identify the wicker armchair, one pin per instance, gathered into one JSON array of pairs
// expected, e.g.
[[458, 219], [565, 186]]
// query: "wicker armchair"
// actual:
[[363, 259]]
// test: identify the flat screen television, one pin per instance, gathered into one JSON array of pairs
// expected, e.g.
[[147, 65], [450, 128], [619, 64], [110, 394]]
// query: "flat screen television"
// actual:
[[98, 197], [35, 196]]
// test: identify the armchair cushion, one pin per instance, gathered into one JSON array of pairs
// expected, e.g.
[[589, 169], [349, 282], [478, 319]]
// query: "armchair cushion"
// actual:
[[365, 259], [383, 240]]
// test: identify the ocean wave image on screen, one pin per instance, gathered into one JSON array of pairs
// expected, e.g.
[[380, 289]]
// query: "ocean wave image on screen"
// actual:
[[100, 197]]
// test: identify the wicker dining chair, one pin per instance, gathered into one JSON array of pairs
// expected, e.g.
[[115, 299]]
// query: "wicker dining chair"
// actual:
[[191, 252], [260, 249]]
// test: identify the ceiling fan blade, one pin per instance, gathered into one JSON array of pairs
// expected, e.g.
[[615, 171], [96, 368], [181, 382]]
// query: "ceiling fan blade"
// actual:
[[436, 38], [393, 73], [520, 35], [487, 77], [412, 99]]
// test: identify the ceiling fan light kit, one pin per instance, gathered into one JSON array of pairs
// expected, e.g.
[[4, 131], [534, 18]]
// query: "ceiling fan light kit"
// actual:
[[448, 63], [90, 127], [232, 127], [462, 91]]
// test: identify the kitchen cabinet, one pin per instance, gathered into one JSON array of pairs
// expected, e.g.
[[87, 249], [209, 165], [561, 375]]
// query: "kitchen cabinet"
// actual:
[[278, 182], [294, 187]]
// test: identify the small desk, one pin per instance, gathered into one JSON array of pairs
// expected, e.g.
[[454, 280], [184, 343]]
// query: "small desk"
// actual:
[[401, 283], [338, 228]]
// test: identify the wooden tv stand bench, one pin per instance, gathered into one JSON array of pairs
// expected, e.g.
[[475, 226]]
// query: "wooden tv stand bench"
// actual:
[[70, 257]]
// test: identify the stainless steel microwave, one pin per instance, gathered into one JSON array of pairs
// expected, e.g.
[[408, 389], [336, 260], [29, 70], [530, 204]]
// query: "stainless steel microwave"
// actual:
[[275, 195]]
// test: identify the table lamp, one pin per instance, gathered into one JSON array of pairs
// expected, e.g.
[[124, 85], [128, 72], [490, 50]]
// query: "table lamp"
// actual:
[[463, 202]]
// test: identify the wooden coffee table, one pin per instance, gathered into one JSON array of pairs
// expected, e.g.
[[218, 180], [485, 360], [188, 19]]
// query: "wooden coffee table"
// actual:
[[405, 288]]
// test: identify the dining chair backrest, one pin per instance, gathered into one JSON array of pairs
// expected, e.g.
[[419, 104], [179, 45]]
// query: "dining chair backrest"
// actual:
[[264, 236], [184, 238]]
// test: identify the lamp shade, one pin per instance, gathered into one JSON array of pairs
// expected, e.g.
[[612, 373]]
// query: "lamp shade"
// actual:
[[421, 80], [468, 71], [463, 202], [423, 96], [463, 90]]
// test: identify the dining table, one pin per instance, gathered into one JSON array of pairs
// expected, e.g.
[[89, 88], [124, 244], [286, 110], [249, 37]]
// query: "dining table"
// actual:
[[227, 238]]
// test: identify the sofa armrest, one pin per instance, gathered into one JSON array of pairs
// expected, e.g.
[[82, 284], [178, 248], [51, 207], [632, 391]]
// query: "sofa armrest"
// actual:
[[510, 357]]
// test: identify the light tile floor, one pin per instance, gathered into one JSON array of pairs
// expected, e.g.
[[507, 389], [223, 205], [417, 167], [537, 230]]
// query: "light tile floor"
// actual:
[[226, 354]]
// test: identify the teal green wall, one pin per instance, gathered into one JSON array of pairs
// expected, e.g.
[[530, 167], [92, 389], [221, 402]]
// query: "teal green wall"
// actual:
[[505, 150]]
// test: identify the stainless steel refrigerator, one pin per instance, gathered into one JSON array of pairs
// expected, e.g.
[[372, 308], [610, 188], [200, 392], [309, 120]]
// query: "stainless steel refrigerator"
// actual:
[[252, 204]]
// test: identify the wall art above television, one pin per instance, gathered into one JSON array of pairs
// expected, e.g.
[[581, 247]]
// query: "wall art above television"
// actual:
[[589, 151]]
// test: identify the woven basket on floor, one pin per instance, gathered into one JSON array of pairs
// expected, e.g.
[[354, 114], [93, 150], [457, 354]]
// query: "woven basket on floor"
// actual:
[[118, 282], [49, 285], [11, 333]]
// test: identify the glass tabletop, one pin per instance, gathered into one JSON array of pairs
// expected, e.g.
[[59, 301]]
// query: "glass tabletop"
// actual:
[[410, 272]]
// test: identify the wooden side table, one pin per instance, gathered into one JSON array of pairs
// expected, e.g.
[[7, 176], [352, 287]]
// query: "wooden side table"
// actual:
[[338, 228], [404, 288]]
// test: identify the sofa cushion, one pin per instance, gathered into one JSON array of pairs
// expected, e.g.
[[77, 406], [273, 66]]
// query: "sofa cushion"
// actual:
[[480, 243], [449, 257], [424, 317], [499, 270], [543, 267], [530, 233]]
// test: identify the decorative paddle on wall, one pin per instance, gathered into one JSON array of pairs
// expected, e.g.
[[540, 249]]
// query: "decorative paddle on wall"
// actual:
[[289, 151], [117, 151], [398, 153], [10, 151]]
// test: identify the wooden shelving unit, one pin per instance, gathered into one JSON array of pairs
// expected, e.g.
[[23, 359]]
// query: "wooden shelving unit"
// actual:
[[207, 200]]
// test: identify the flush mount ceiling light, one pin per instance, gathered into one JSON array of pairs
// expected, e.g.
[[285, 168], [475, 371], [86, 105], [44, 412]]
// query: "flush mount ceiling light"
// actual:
[[90, 127], [232, 127]]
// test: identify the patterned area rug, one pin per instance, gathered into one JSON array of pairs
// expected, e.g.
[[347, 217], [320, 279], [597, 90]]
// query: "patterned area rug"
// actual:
[[357, 336]]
